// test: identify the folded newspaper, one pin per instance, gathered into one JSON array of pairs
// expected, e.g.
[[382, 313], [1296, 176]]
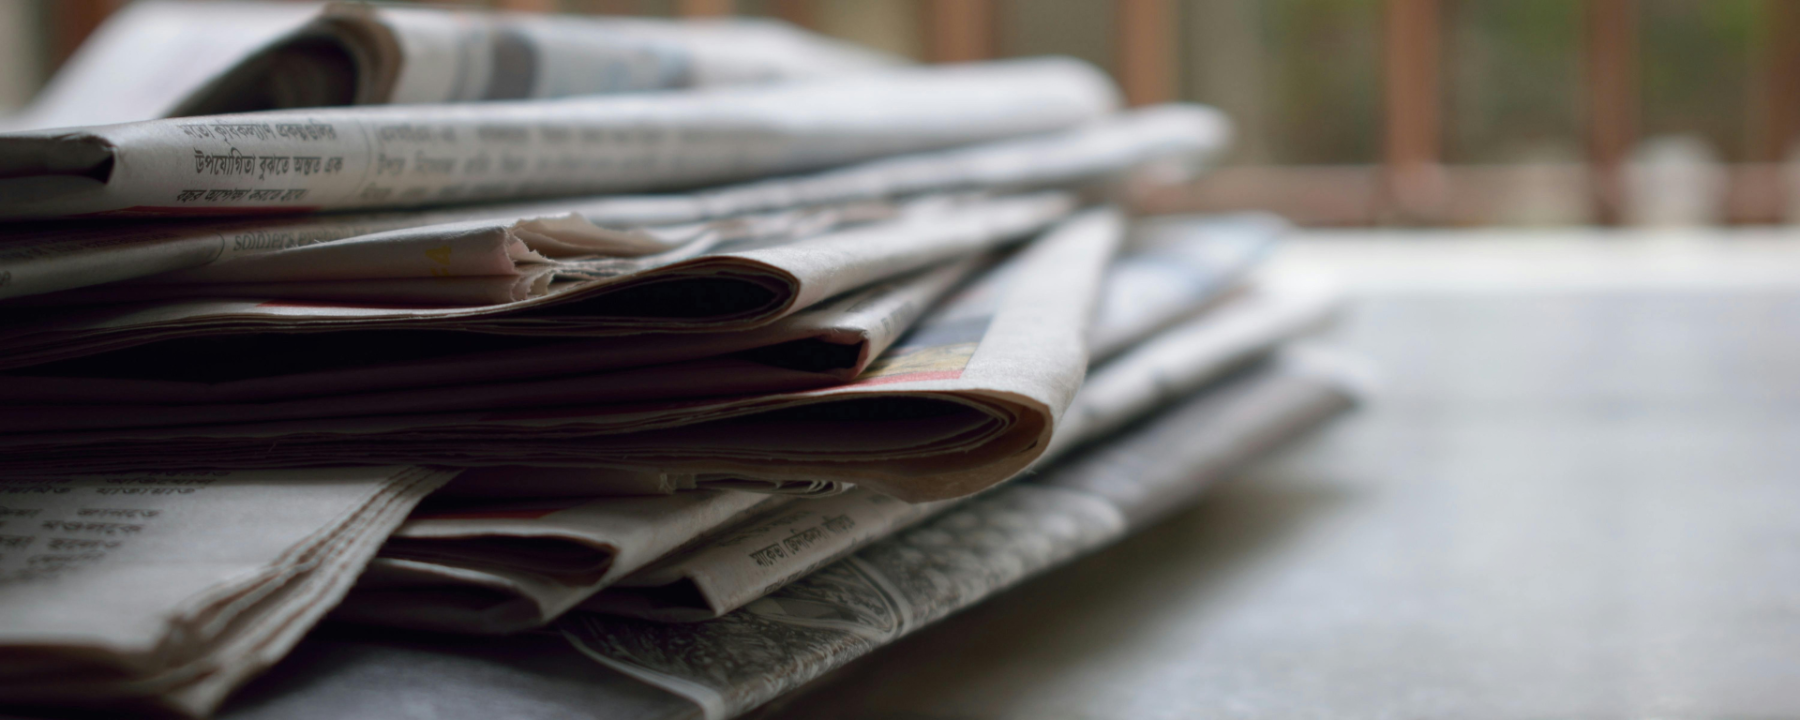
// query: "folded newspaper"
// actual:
[[161, 58], [461, 588], [715, 577], [497, 567], [52, 257], [1178, 265], [732, 664], [164, 590], [827, 344], [245, 329], [419, 155], [966, 400], [357, 54], [739, 283], [50, 261], [724, 667]]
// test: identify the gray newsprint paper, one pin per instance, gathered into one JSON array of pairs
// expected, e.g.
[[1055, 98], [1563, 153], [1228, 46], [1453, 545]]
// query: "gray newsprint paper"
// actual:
[[501, 567], [505, 483], [828, 344], [966, 400], [754, 557], [150, 54], [775, 644], [1185, 358], [47, 258], [712, 578], [417, 155], [166, 590], [1151, 470], [356, 54], [162, 58], [851, 607], [1173, 268], [751, 277], [799, 632]]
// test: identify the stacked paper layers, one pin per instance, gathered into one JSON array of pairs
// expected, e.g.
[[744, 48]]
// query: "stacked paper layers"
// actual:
[[690, 331]]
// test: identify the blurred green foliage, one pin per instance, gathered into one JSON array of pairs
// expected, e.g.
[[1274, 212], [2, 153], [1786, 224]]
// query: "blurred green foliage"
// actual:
[[1512, 74], [1699, 69], [1512, 80], [1324, 79]]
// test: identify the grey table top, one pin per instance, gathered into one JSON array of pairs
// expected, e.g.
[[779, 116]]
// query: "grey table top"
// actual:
[[1576, 494]]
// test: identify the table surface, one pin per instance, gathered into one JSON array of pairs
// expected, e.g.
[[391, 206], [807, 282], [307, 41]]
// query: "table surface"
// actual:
[[1574, 494]]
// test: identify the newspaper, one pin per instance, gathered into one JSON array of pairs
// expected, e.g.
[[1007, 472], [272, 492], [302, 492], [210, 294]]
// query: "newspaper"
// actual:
[[165, 590], [734, 663], [1304, 383], [166, 58], [1183, 359], [723, 282], [418, 155], [504, 483], [828, 344], [1176, 266], [151, 54], [757, 556], [754, 557], [354, 54], [778, 644], [711, 579], [54, 256], [500, 567], [968, 398]]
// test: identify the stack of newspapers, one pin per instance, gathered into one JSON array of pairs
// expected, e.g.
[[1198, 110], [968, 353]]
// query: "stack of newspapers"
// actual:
[[716, 353]]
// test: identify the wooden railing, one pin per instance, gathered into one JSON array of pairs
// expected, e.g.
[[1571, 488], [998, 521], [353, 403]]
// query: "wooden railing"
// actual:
[[1412, 185]]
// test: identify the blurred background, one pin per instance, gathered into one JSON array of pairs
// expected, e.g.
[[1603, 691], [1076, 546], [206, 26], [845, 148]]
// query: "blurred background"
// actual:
[[1351, 112]]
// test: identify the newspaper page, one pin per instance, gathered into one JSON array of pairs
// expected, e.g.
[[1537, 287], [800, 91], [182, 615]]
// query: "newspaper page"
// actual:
[[1147, 476], [732, 664], [714, 578], [150, 54], [1174, 268], [356, 54], [163, 58], [757, 556], [838, 337], [735, 282], [851, 607], [1185, 358], [501, 567], [51, 257], [165, 590], [708, 580], [360, 674], [968, 398], [503, 482], [418, 155], [824, 346]]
